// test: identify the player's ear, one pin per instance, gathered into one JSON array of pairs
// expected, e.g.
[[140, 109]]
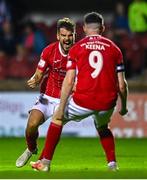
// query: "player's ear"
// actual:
[[74, 37], [84, 28], [58, 36], [103, 28]]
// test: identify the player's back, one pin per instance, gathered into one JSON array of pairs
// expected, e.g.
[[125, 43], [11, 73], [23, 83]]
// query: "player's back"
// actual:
[[97, 61]]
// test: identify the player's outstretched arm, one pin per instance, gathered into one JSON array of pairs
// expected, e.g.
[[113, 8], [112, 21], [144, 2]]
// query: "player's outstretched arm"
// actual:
[[66, 90], [123, 93], [67, 87], [35, 79]]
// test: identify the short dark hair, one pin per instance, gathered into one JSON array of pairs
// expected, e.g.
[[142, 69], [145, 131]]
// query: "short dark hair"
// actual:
[[66, 23], [93, 17]]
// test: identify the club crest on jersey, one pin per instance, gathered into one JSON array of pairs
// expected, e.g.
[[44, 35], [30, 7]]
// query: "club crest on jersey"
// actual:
[[69, 63], [41, 63]]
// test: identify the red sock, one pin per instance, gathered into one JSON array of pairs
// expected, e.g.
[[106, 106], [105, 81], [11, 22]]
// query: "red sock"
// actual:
[[107, 141], [53, 136], [41, 155], [32, 141]]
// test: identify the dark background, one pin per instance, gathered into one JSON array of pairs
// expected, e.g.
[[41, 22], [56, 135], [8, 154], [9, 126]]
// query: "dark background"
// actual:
[[44, 14], [66, 5]]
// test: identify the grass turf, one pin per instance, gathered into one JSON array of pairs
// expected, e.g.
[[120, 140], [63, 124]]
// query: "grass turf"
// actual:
[[77, 158]]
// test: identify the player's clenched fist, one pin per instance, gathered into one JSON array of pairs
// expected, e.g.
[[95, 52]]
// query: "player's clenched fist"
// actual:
[[35, 79], [32, 83]]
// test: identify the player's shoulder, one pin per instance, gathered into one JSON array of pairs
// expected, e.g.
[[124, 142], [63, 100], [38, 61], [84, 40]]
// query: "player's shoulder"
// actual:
[[83, 40], [111, 43], [78, 43], [51, 46], [107, 40], [48, 49]]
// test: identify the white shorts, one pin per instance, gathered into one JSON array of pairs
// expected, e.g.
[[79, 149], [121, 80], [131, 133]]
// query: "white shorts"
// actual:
[[46, 104], [75, 112]]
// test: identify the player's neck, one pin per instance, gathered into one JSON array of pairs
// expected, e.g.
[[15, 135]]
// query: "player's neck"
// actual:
[[93, 34]]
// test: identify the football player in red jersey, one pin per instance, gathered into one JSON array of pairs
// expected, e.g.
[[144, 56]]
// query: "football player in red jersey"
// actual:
[[100, 79], [53, 60]]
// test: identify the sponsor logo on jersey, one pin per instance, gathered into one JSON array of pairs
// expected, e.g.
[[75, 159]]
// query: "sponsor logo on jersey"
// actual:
[[56, 61]]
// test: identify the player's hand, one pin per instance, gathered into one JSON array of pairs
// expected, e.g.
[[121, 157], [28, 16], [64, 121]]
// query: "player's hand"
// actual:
[[123, 111], [32, 83]]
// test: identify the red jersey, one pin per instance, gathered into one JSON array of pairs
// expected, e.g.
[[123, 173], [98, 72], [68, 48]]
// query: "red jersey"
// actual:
[[53, 58], [97, 61], [44, 80]]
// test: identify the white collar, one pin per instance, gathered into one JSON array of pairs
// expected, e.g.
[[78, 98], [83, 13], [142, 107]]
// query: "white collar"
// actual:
[[60, 50]]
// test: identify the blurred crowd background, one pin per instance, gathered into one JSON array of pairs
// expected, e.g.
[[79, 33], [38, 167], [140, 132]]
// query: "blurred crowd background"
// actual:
[[26, 27]]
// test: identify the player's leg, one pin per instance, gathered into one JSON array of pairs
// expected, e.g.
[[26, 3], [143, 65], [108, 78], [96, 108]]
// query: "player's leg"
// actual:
[[72, 112], [41, 111], [106, 137], [102, 119], [108, 144], [52, 139], [36, 118]]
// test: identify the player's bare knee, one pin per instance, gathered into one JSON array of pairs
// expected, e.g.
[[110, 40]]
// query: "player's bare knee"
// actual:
[[35, 121], [33, 125]]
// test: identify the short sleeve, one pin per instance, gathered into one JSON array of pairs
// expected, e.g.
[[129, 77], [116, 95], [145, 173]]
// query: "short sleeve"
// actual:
[[71, 62], [43, 62]]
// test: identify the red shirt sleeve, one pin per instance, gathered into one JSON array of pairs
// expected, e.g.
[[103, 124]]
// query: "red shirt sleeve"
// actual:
[[44, 60], [71, 63]]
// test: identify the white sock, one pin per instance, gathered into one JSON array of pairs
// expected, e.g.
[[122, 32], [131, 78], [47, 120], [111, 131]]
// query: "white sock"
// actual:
[[46, 161]]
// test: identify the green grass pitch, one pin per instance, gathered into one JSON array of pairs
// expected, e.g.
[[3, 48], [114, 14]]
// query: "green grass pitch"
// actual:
[[77, 158]]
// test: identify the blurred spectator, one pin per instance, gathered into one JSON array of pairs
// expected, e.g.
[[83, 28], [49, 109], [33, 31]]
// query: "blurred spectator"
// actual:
[[3, 65], [42, 26], [19, 10], [133, 56], [79, 31], [4, 12], [7, 38], [20, 65], [120, 20], [33, 39], [137, 14], [109, 33]]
